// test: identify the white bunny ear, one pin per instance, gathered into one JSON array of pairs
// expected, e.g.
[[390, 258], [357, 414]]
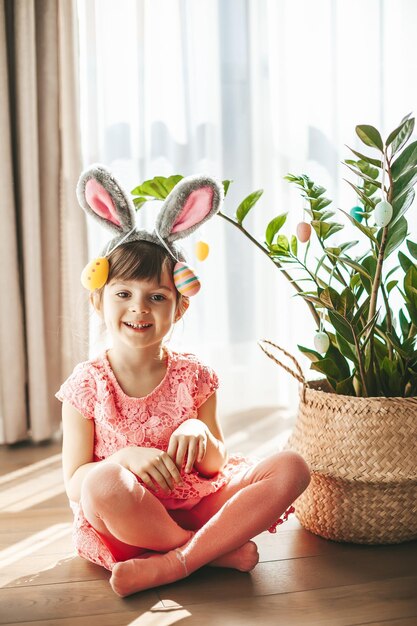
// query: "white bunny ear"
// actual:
[[191, 203], [102, 197]]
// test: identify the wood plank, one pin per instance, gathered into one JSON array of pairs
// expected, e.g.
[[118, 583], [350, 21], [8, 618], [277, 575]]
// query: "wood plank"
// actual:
[[158, 615], [298, 542], [336, 606], [43, 602], [338, 568], [48, 570]]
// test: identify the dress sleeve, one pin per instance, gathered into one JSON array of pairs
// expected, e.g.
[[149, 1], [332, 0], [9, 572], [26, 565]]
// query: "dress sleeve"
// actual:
[[80, 390], [207, 383]]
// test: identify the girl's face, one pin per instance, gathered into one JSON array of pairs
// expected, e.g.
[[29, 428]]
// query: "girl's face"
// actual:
[[140, 313]]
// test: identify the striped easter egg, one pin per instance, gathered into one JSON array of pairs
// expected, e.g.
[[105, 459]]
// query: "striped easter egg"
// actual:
[[185, 280]]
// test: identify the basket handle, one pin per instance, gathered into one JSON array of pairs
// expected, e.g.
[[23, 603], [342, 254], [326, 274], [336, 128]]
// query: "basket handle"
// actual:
[[298, 376]]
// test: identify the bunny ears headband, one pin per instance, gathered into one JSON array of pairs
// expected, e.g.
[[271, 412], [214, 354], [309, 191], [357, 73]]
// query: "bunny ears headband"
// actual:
[[193, 201]]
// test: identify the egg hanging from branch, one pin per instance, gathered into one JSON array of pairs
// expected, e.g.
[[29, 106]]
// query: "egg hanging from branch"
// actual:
[[382, 213], [303, 231]]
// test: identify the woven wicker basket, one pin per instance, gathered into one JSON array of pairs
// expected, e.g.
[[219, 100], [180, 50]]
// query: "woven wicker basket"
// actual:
[[362, 453]]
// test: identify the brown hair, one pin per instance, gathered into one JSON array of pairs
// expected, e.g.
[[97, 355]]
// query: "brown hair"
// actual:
[[139, 260]]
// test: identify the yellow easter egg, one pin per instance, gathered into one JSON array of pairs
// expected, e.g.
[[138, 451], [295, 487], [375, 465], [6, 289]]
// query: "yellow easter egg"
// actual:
[[185, 280], [95, 273], [201, 250]]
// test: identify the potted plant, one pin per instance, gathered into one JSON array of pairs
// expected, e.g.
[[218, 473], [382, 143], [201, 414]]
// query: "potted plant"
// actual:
[[357, 426]]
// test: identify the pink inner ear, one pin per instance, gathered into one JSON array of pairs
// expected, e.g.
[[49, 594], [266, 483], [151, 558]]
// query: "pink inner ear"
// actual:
[[101, 202], [197, 206]]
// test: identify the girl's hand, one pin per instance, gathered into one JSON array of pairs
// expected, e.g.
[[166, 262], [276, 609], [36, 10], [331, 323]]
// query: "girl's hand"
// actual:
[[189, 439], [152, 466]]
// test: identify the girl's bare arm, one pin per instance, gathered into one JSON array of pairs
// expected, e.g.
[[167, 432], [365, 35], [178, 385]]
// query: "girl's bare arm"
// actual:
[[216, 453]]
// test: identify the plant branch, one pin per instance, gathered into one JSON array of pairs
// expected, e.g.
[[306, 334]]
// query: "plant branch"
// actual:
[[389, 320], [360, 363], [276, 263]]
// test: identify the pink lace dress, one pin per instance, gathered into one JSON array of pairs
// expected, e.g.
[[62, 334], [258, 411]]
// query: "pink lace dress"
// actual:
[[121, 420]]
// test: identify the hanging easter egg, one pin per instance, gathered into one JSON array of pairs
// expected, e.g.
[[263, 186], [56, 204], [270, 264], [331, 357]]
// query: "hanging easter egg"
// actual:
[[357, 213], [95, 273], [185, 279], [303, 231], [321, 342], [201, 250], [382, 213]]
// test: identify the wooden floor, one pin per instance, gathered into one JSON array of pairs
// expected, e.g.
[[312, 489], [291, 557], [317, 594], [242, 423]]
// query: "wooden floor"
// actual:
[[301, 579]]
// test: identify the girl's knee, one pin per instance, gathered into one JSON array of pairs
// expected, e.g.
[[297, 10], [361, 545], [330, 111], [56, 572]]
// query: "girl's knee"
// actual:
[[296, 467], [107, 485]]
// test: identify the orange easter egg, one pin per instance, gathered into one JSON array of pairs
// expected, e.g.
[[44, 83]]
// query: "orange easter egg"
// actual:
[[95, 273], [303, 231], [201, 250], [185, 280]]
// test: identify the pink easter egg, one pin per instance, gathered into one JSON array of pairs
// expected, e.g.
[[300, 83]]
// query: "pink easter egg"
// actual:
[[185, 280], [303, 231]]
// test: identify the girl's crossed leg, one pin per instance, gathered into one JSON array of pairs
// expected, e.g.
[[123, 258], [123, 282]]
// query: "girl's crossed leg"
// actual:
[[227, 519]]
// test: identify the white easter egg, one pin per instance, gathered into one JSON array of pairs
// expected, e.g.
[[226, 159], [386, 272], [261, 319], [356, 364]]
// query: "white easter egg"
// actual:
[[382, 213], [321, 342]]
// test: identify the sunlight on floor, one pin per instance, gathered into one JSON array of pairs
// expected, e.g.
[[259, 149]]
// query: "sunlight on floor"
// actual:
[[33, 543], [162, 615], [31, 485]]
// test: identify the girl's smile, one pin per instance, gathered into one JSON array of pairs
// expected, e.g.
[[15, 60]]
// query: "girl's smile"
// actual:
[[144, 309]]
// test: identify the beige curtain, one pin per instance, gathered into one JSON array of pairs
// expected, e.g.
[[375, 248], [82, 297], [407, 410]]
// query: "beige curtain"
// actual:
[[43, 240]]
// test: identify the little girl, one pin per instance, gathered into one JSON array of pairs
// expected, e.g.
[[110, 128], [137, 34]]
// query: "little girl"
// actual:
[[154, 493]]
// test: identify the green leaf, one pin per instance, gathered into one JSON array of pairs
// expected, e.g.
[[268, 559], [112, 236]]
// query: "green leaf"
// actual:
[[341, 326], [363, 157], [347, 302], [370, 136], [326, 367], [246, 205], [311, 354], [330, 298], [404, 134], [226, 185], [325, 229], [274, 226], [338, 358], [391, 285], [365, 177], [395, 236], [356, 266], [403, 183], [407, 159], [401, 205], [405, 262], [410, 284], [158, 187], [319, 203], [346, 349], [364, 167], [139, 202], [412, 247], [345, 387], [367, 230], [404, 323], [294, 245], [365, 199]]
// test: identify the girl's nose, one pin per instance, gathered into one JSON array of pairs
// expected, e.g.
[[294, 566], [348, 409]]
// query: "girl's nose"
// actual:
[[139, 307]]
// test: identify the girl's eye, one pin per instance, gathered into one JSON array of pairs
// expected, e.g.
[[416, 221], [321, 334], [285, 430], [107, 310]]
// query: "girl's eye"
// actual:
[[122, 294], [158, 297]]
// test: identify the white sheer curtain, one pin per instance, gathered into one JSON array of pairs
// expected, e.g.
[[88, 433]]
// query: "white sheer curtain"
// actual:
[[246, 90]]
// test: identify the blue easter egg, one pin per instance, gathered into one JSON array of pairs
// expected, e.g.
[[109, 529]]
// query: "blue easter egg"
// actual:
[[357, 213]]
